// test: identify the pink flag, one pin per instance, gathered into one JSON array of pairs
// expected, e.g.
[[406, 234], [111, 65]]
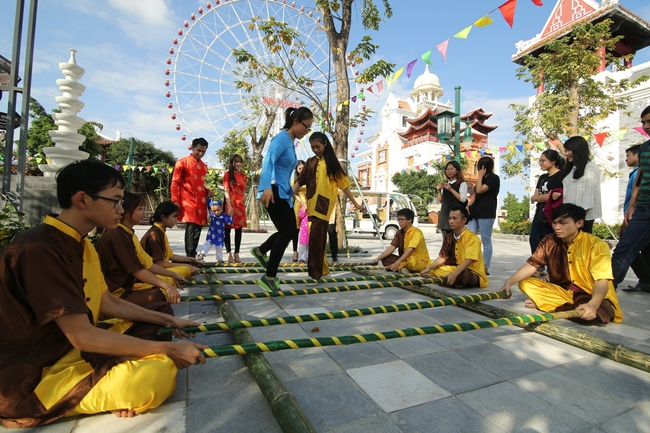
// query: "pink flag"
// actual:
[[640, 129], [409, 67], [442, 48], [380, 86]]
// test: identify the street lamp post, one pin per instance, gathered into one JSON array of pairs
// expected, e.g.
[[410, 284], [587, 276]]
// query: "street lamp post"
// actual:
[[445, 120]]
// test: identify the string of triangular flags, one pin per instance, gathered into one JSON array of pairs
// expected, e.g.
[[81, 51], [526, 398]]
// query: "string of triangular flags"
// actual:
[[506, 9], [599, 137]]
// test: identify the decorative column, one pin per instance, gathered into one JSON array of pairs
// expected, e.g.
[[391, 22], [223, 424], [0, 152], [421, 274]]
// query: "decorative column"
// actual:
[[66, 139]]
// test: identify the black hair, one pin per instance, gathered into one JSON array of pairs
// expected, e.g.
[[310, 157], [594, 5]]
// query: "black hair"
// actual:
[[462, 210], [634, 149], [131, 202], [555, 157], [89, 176], [300, 161], [199, 142], [569, 210], [406, 213], [459, 175], [291, 114], [231, 167], [487, 162], [645, 111], [334, 169], [164, 209], [580, 150]]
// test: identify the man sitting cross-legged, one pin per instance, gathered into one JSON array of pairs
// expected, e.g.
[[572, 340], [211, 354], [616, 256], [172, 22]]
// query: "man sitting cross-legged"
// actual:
[[56, 358], [460, 259], [410, 243], [579, 271]]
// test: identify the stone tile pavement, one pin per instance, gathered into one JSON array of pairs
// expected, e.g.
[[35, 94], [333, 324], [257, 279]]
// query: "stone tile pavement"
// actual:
[[492, 380]]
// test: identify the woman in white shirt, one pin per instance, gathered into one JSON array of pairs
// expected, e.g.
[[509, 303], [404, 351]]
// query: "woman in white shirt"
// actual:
[[582, 182]]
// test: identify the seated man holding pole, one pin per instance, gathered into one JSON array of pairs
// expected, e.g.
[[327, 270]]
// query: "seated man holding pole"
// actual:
[[579, 271], [410, 243], [56, 358], [460, 260]]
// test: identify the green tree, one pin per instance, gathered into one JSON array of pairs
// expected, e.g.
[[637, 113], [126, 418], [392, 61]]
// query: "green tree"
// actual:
[[42, 122], [418, 183], [145, 154], [517, 211], [573, 101]]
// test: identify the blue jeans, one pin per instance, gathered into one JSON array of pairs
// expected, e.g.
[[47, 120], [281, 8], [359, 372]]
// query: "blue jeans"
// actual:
[[634, 239], [483, 225]]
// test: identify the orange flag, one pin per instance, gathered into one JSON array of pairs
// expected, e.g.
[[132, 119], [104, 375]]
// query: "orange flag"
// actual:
[[600, 138], [508, 11]]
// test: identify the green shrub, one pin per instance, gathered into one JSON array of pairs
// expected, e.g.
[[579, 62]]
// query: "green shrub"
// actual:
[[603, 232], [515, 228], [12, 223]]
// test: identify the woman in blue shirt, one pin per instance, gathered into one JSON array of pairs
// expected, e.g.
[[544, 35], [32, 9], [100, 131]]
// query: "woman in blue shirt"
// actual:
[[276, 194]]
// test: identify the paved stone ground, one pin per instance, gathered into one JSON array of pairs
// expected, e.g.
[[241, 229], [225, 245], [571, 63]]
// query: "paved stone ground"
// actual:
[[492, 380]]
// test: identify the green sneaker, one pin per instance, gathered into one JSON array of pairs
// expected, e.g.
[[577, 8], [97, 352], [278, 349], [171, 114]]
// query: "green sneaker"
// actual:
[[269, 284], [261, 258]]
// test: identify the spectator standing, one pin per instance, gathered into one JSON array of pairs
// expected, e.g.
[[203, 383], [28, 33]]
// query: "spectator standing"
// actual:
[[300, 200], [551, 162], [450, 194], [189, 193], [483, 210], [234, 190]]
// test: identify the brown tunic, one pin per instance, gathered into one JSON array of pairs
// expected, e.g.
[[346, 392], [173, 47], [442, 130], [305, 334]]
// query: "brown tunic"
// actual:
[[153, 243], [119, 259]]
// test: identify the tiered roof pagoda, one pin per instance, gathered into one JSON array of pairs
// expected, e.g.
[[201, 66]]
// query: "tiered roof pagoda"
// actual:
[[477, 119], [421, 129]]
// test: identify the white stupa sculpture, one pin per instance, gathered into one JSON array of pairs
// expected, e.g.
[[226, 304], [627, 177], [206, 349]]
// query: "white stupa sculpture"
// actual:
[[66, 139]]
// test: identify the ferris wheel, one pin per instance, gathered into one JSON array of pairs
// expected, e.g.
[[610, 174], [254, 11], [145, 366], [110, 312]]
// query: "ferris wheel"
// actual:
[[204, 98]]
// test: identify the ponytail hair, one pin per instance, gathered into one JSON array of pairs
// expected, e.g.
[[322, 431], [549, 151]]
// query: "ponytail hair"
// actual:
[[334, 169], [291, 114], [555, 157], [164, 209]]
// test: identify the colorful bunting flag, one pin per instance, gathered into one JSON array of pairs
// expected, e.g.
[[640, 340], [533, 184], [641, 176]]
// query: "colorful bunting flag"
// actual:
[[620, 133], [520, 148], [409, 67], [600, 138], [484, 21], [380, 86], [427, 57], [508, 11], [442, 48], [537, 2], [463, 33], [640, 129]]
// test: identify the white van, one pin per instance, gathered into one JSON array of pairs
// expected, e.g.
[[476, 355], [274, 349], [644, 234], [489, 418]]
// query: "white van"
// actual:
[[383, 208]]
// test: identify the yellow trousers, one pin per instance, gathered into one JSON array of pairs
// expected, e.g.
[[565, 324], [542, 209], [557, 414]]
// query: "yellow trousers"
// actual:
[[547, 296]]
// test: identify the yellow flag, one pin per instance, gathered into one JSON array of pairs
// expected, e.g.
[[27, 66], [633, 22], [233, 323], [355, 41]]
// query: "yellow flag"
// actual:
[[397, 74], [463, 33], [482, 22]]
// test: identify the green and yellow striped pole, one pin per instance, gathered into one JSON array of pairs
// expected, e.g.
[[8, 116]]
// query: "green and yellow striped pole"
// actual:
[[259, 269], [405, 282], [282, 265], [388, 277], [343, 314], [344, 340]]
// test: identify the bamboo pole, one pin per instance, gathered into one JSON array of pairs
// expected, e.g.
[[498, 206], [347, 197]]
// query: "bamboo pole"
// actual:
[[344, 340], [614, 351], [260, 270], [283, 404], [405, 282], [257, 265], [388, 277], [342, 314]]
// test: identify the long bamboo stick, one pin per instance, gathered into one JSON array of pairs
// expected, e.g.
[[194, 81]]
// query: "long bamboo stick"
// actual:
[[283, 404], [405, 282], [342, 314], [259, 269], [257, 265], [193, 282], [614, 351], [276, 345]]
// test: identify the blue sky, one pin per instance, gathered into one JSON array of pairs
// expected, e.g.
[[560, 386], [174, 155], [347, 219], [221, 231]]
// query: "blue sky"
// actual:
[[123, 46]]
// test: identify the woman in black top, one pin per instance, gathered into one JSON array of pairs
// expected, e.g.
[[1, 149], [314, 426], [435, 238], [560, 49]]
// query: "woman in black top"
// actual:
[[483, 211], [451, 193], [551, 162]]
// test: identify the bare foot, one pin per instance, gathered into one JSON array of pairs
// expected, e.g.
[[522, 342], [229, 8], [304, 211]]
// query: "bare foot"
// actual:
[[124, 413], [528, 303]]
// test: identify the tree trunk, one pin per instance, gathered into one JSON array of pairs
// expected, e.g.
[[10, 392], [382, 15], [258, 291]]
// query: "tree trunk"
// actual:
[[575, 111], [338, 47]]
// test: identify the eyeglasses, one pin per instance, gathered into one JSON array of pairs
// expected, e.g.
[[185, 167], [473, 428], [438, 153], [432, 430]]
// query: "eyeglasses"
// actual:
[[308, 128], [116, 203], [402, 219], [542, 161]]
